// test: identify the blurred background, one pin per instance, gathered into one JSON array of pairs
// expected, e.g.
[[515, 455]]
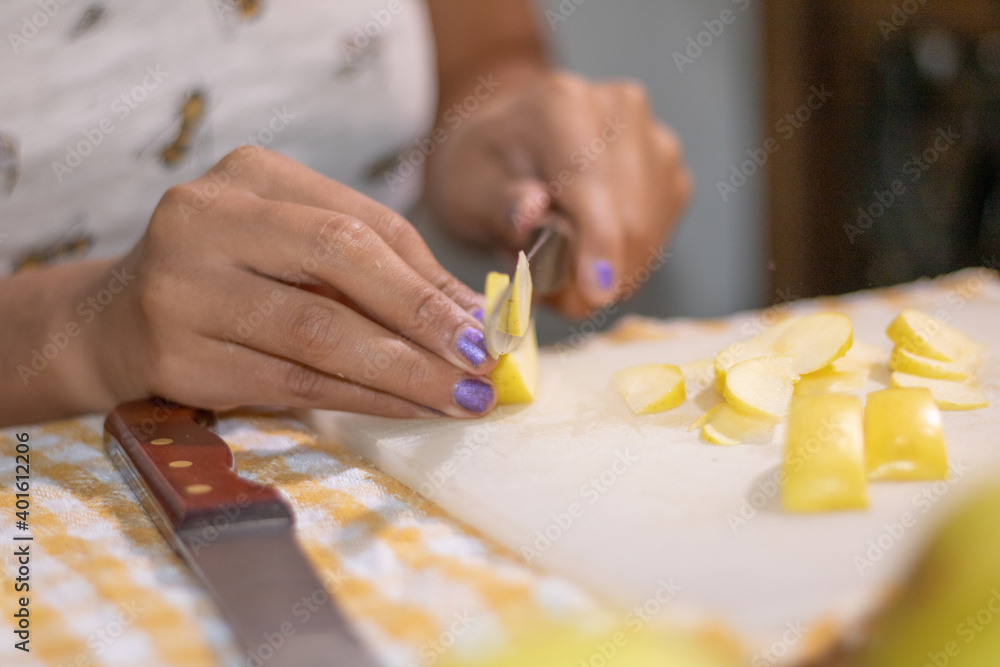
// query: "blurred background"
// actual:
[[836, 145]]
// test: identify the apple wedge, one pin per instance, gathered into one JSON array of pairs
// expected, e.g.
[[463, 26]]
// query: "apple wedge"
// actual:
[[948, 395], [650, 388], [904, 361], [903, 436], [829, 380], [927, 336], [824, 462], [516, 374], [761, 386], [515, 313]]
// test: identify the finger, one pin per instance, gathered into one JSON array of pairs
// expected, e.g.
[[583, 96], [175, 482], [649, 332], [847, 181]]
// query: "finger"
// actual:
[[578, 146], [331, 338], [342, 251], [230, 375], [282, 179]]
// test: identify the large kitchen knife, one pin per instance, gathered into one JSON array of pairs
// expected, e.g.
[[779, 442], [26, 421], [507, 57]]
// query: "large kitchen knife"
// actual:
[[236, 535]]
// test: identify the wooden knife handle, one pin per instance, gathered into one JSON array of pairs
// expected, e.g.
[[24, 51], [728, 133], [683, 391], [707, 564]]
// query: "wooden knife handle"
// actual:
[[183, 473]]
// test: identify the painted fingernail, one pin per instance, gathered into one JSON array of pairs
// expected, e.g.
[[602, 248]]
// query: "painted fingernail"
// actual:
[[604, 274], [473, 395], [472, 346], [479, 314]]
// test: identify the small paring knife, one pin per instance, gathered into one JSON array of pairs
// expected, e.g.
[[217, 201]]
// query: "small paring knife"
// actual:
[[237, 536]]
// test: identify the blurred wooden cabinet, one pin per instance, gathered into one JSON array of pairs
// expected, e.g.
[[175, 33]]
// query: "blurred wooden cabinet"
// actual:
[[897, 174]]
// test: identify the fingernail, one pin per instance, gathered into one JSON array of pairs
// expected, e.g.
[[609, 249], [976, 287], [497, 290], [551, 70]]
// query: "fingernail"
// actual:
[[604, 274], [479, 314], [473, 395], [472, 346]]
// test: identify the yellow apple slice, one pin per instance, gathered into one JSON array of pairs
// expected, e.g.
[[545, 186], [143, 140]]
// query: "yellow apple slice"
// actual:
[[861, 356], [734, 353], [516, 374], [828, 380], [515, 313], [761, 386], [824, 462], [904, 361], [927, 336], [703, 419], [948, 395], [814, 341], [728, 426], [649, 388], [903, 436]]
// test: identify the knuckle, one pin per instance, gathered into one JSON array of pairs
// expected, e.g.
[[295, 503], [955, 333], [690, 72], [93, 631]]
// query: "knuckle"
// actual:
[[671, 148], [430, 312], [311, 332], [413, 373], [344, 238], [303, 383], [567, 83], [634, 92], [178, 195]]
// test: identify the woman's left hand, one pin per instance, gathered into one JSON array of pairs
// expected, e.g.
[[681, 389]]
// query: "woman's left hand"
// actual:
[[520, 149]]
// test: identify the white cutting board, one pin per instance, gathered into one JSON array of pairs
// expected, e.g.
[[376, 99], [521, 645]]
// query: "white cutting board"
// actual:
[[670, 513]]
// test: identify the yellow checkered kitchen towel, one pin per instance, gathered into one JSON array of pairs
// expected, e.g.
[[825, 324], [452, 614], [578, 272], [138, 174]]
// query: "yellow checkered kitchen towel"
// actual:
[[106, 589]]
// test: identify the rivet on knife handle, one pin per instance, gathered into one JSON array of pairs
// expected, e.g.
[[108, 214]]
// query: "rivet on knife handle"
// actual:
[[182, 472]]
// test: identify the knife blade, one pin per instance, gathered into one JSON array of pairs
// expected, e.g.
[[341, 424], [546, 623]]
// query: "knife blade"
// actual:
[[548, 267], [236, 535]]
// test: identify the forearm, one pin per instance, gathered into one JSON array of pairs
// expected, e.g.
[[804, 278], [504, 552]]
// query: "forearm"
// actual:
[[48, 321], [483, 38]]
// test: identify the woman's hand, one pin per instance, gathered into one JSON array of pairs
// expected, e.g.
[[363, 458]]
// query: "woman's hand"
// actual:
[[264, 283], [552, 142]]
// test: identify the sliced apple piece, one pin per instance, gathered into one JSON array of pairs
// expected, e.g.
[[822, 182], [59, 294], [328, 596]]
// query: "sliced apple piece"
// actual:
[[927, 336], [515, 313], [516, 374], [903, 436], [728, 426], [861, 356], [948, 395], [828, 380], [814, 341], [496, 283], [904, 361], [824, 462], [649, 388], [734, 353], [761, 386], [703, 419]]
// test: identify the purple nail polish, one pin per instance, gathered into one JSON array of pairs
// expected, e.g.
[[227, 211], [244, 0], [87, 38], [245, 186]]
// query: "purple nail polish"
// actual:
[[604, 273], [473, 395], [472, 346], [479, 314]]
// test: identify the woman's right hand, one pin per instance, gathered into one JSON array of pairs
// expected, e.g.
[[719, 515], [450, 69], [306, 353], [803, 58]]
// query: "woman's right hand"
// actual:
[[264, 283]]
